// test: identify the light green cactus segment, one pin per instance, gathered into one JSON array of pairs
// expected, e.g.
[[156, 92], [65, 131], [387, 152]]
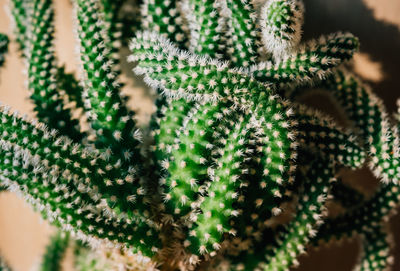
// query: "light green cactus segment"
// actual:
[[206, 27], [376, 255], [281, 22], [346, 196], [313, 60], [3, 265], [235, 145], [67, 83], [190, 159], [315, 131], [164, 17], [3, 48], [55, 252], [113, 124], [179, 75], [369, 116], [20, 20], [170, 118], [26, 174], [290, 242], [241, 33], [42, 73]]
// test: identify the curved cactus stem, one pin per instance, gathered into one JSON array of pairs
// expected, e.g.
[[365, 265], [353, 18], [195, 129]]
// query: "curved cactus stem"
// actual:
[[315, 59], [205, 26], [55, 252], [319, 133], [111, 122], [189, 160], [240, 35], [281, 22], [369, 118], [289, 242], [234, 145], [42, 72], [376, 255]]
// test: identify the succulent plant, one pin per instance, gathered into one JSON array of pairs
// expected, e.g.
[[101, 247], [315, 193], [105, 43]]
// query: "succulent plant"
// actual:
[[229, 151]]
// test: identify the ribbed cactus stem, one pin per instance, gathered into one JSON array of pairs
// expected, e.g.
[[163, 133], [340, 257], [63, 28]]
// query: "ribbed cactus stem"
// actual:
[[281, 22], [42, 72]]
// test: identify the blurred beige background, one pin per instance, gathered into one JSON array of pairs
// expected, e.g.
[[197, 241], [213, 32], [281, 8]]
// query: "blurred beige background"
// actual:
[[23, 235]]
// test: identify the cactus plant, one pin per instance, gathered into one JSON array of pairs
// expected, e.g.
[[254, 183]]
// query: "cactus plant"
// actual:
[[229, 149]]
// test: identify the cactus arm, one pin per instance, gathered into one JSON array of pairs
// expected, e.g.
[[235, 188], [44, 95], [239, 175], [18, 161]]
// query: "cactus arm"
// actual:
[[205, 27], [55, 252], [42, 72], [111, 122], [281, 22], [241, 32], [376, 255], [313, 60], [320, 133]]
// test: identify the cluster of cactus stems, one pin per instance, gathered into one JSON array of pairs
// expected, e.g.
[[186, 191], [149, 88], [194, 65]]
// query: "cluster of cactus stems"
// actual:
[[228, 152]]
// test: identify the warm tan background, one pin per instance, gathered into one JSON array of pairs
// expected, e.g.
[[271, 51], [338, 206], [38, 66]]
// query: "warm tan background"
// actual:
[[376, 22]]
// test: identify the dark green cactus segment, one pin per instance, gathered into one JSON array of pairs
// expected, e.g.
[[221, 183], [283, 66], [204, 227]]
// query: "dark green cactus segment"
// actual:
[[206, 28], [113, 124], [164, 17], [377, 245], [346, 196], [55, 252], [113, 24], [317, 132], [190, 159], [23, 172], [3, 48], [42, 73], [290, 242], [241, 33], [83, 171], [363, 218], [314, 60], [281, 22], [368, 115], [234, 146]]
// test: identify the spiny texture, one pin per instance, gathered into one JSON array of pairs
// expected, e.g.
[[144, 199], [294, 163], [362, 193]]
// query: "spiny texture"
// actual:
[[42, 72], [281, 23], [228, 150]]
